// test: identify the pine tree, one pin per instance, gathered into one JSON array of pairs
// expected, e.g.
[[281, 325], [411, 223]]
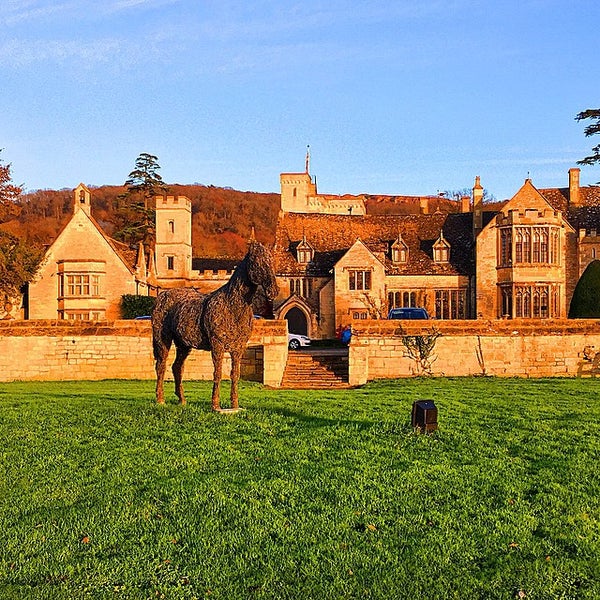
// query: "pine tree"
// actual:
[[592, 129], [144, 180], [137, 204]]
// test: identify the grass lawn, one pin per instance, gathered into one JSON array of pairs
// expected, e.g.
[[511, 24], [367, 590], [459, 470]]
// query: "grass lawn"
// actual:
[[305, 494]]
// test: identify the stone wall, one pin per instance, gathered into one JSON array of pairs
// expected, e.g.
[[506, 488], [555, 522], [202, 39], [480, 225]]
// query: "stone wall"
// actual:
[[502, 348], [61, 350]]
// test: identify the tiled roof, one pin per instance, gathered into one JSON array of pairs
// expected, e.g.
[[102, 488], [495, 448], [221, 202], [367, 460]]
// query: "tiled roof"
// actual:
[[128, 254], [584, 216], [380, 204], [558, 198], [214, 264], [332, 235]]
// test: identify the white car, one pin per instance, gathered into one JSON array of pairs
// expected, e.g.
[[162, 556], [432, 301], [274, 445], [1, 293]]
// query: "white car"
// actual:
[[295, 341]]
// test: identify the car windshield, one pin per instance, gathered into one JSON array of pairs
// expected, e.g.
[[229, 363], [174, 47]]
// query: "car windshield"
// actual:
[[408, 313]]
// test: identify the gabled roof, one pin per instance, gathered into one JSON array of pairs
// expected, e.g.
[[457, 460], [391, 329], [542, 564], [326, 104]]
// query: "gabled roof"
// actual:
[[586, 215], [399, 242], [134, 259], [528, 197], [303, 245], [125, 253], [376, 251], [442, 241], [332, 235]]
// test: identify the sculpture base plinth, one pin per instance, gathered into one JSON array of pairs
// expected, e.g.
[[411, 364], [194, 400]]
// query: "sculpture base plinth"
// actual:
[[228, 411]]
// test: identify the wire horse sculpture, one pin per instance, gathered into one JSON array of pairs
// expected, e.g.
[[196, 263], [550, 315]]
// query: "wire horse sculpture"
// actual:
[[220, 322]]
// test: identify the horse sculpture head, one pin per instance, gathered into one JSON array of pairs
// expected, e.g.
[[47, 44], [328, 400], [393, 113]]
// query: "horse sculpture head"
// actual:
[[260, 269]]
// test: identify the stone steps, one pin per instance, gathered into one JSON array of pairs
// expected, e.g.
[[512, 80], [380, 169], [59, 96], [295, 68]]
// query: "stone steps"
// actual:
[[315, 371]]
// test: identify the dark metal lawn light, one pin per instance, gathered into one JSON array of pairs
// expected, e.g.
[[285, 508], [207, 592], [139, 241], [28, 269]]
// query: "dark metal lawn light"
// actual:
[[424, 415]]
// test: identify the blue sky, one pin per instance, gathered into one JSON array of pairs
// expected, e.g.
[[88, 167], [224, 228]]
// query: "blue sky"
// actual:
[[393, 97]]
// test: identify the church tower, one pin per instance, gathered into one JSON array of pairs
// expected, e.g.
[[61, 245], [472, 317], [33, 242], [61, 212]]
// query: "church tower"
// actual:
[[173, 247], [297, 188]]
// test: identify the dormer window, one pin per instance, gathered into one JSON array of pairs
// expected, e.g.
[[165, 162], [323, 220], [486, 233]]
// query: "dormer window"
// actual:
[[441, 250], [399, 251], [304, 252], [441, 255], [304, 256]]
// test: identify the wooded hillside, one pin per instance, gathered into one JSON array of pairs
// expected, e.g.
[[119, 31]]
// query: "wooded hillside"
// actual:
[[222, 218]]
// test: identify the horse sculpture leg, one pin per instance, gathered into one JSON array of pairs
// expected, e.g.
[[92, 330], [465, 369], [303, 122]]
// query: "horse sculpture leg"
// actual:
[[217, 358], [161, 353], [182, 353], [236, 359]]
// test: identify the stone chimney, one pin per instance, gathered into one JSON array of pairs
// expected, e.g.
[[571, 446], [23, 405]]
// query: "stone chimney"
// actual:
[[424, 206], [477, 207], [465, 204], [574, 196]]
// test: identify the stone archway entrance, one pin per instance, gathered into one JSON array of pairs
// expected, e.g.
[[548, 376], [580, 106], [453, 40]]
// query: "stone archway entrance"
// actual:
[[296, 321]]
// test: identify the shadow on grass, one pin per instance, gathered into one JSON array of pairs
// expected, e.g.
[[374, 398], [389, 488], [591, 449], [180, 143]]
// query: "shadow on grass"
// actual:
[[357, 425]]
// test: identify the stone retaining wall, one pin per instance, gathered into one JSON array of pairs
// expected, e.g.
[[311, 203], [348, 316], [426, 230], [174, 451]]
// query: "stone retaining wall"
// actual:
[[61, 350], [503, 348]]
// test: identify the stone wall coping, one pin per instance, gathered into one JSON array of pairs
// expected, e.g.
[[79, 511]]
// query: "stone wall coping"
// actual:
[[141, 328], [500, 327]]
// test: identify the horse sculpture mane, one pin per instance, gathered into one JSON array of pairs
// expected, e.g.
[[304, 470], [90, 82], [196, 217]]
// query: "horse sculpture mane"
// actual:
[[220, 322]]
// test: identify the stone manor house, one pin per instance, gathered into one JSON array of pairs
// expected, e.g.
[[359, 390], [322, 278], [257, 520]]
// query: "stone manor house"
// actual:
[[337, 264]]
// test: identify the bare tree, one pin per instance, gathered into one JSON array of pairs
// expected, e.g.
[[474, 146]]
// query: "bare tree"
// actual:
[[8, 191], [420, 349]]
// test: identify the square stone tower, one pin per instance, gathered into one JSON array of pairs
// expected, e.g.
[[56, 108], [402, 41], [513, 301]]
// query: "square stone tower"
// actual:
[[173, 248], [296, 189]]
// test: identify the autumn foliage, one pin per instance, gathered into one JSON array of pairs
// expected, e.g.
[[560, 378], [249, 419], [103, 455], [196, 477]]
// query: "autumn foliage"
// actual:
[[222, 219]]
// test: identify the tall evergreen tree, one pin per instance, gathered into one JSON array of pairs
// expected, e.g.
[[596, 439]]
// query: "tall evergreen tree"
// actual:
[[137, 204], [585, 303], [145, 180], [593, 114]]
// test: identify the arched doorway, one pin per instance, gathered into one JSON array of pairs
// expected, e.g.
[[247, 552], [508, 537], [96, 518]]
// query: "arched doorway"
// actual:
[[296, 321]]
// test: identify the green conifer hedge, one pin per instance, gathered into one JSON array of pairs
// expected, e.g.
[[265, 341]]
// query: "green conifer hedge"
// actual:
[[585, 303], [133, 306]]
